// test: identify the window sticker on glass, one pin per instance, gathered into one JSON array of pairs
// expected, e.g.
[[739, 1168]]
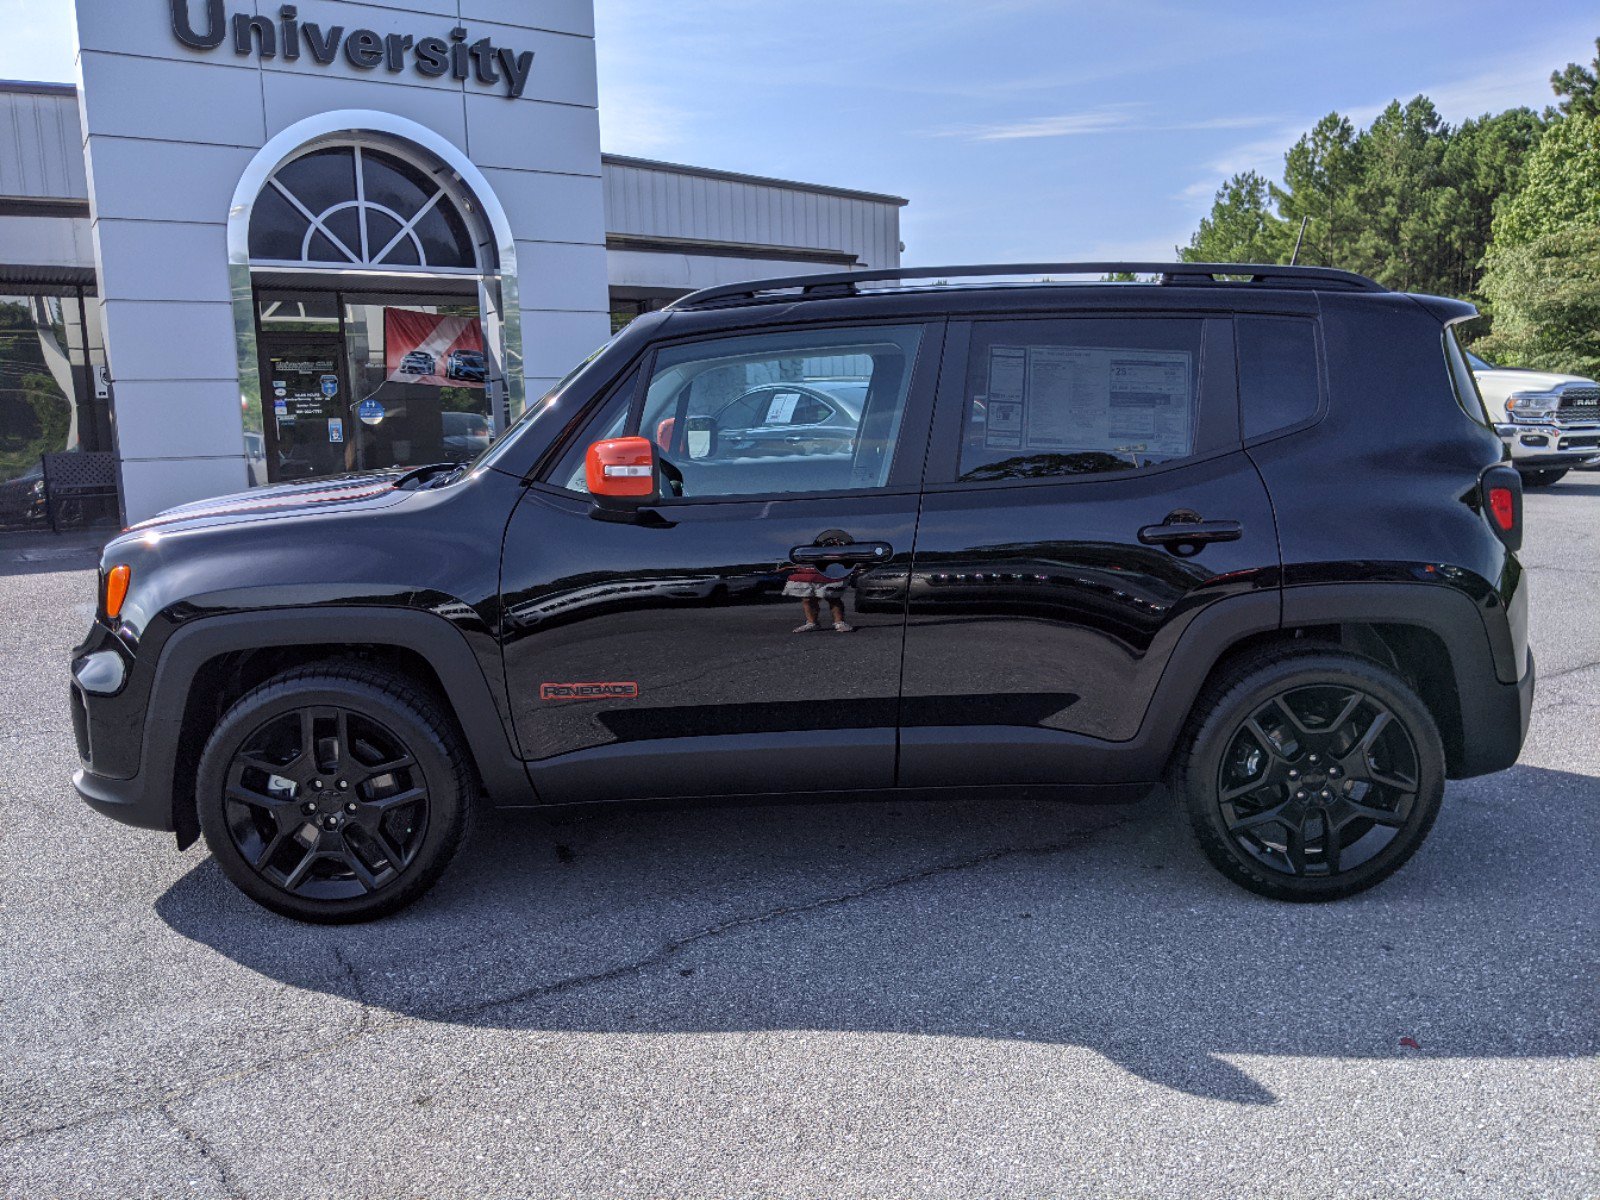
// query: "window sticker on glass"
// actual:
[[1067, 398], [1008, 374], [781, 410]]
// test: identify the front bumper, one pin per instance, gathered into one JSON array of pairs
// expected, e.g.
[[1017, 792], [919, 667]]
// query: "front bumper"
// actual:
[[130, 801], [1538, 447], [109, 698]]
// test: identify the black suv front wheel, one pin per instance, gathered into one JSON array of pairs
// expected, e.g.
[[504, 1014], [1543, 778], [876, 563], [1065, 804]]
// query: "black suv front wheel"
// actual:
[[1310, 775], [334, 794], [1547, 477]]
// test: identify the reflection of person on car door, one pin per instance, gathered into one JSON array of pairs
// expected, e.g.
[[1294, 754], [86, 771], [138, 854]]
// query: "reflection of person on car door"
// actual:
[[813, 586]]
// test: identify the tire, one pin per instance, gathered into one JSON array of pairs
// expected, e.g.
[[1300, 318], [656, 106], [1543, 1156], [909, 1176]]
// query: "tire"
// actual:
[[1306, 814], [1539, 479], [362, 826]]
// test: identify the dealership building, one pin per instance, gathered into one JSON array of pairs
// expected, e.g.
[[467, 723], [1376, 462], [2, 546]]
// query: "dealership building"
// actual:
[[262, 242]]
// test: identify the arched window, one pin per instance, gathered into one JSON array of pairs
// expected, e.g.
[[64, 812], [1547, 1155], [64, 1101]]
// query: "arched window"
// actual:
[[358, 206]]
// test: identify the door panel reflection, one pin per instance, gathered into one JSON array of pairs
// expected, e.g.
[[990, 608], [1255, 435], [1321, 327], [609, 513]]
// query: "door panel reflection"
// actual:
[[693, 614], [1038, 605]]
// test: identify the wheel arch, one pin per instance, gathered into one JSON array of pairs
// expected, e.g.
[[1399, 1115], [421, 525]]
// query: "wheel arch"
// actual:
[[206, 665], [1431, 635]]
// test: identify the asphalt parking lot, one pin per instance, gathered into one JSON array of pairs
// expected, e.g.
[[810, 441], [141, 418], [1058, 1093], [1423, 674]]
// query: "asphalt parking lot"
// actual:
[[872, 1000]]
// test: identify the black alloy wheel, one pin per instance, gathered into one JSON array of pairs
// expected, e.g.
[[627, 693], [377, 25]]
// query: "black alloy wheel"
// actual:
[[326, 803], [1310, 774], [1317, 780], [335, 793]]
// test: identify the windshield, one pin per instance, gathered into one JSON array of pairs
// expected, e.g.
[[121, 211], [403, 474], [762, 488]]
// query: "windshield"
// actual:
[[532, 413], [1478, 364]]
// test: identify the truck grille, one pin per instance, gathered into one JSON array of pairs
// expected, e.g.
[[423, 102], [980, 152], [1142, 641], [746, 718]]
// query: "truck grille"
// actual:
[[1579, 404]]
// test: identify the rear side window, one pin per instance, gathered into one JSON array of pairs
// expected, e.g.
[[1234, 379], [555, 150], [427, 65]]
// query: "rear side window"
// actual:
[[1280, 379], [1463, 380], [1079, 396]]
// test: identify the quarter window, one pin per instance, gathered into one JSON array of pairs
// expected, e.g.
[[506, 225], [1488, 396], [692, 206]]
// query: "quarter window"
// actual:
[[772, 414], [1077, 397], [1279, 380]]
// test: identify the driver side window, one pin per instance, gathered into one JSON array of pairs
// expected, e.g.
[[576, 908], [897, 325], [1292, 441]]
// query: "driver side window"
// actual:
[[770, 414]]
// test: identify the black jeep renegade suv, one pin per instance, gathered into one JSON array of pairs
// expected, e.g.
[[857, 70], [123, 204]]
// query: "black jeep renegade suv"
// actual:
[[1245, 530]]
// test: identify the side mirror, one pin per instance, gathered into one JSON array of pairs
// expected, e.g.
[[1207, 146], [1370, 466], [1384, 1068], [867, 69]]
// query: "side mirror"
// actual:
[[623, 475]]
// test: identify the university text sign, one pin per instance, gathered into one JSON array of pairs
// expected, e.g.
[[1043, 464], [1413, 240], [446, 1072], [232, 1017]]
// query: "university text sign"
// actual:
[[435, 57]]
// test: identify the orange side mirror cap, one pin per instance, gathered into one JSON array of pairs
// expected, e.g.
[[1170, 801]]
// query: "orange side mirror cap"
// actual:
[[622, 469]]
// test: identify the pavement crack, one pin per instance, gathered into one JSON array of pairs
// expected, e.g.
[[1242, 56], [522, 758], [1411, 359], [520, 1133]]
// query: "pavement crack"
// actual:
[[1546, 678], [373, 1022], [364, 1020], [670, 950], [230, 1185]]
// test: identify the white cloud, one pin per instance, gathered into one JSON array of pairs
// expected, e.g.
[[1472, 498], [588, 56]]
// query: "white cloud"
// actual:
[[1109, 118], [1098, 120], [636, 120]]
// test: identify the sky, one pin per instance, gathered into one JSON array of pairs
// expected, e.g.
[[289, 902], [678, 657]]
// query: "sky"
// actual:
[[1020, 130]]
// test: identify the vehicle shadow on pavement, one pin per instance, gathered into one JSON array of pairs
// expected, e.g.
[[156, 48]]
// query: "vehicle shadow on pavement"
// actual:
[[1570, 487], [1002, 920]]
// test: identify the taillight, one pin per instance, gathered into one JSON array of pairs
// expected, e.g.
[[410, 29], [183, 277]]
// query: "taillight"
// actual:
[[1504, 507], [1502, 504], [117, 588]]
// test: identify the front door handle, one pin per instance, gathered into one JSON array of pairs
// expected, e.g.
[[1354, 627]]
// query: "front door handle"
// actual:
[[850, 552], [1191, 533]]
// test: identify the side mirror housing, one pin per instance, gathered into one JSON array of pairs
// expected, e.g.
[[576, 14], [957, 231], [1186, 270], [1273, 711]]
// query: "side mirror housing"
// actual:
[[623, 475]]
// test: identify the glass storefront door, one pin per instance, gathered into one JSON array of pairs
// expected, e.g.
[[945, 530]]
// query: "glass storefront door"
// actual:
[[355, 381], [308, 406]]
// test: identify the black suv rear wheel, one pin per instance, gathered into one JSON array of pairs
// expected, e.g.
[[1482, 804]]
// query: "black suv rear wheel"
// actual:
[[1310, 775], [334, 794]]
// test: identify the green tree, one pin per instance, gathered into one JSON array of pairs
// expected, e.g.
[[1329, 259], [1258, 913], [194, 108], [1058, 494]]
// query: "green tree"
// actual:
[[1404, 197], [1560, 185], [1242, 226], [1320, 174], [1546, 299], [1579, 87], [1485, 161]]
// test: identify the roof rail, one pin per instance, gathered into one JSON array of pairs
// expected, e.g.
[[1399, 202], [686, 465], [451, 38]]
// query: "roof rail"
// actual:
[[847, 283]]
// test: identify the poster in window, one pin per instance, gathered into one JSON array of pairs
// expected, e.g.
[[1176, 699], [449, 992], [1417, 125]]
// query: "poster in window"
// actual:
[[424, 347]]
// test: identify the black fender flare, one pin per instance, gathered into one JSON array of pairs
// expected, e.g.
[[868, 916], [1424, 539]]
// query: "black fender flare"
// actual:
[[428, 635], [1493, 712], [1493, 691]]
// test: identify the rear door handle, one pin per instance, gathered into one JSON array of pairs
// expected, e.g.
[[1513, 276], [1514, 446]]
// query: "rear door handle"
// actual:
[[1176, 533], [851, 552]]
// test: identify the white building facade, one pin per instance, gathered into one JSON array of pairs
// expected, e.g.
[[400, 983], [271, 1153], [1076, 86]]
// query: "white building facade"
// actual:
[[263, 242]]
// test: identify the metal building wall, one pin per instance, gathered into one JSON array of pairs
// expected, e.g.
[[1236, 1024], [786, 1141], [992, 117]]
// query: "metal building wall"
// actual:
[[664, 200], [41, 144]]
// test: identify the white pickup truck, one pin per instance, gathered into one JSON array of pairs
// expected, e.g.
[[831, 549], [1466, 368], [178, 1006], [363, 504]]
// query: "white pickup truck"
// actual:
[[1551, 422]]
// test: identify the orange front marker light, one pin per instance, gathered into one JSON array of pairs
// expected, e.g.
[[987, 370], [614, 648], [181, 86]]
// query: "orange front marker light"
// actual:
[[117, 588]]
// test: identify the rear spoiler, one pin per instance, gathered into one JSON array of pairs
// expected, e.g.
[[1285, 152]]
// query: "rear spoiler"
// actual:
[[1448, 311]]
